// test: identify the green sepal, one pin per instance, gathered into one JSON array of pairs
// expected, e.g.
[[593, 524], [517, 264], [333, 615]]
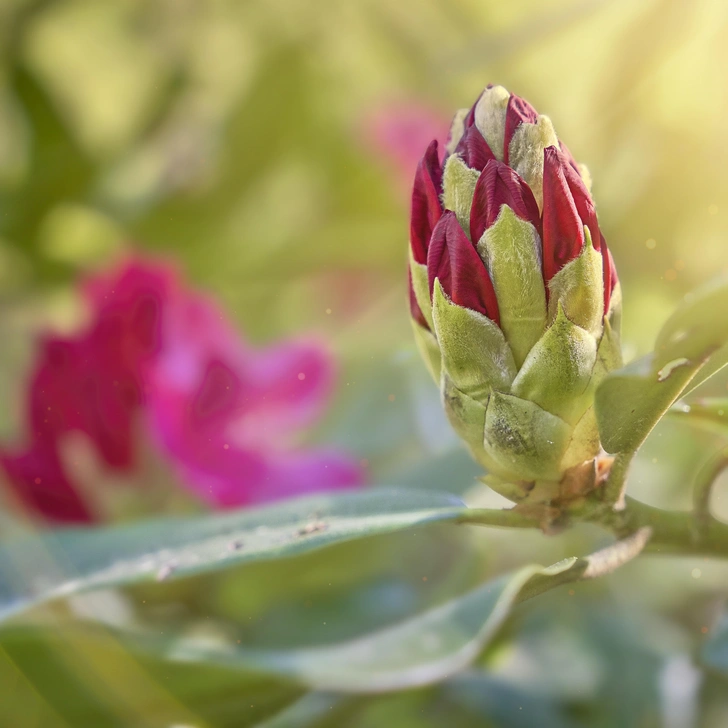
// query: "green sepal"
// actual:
[[458, 187], [614, 315], [510, 249], [556, 374], [579, 288], [467, 417], [525, 153], [584, 443], [609, 352], [421, 287], [475, 353], [429, 350], [490, 118], [457, 129], [524, 440]]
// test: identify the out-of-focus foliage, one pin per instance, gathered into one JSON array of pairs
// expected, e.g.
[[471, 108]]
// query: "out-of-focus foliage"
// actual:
[[233, 136]]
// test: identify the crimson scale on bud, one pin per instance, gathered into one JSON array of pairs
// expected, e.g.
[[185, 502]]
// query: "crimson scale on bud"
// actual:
[[514, 297]]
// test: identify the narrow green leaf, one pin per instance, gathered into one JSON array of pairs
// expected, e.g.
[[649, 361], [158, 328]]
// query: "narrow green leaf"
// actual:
[[37, 568]]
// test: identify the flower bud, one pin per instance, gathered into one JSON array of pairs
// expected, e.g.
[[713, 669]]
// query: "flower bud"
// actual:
[[514, 297]]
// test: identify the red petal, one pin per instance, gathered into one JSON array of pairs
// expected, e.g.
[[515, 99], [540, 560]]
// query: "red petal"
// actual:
[[415, 309], [583, 201], [518, 111], [426, 207], [470, 118], [453, 260], [474, 150], [610, 274], [499, 185], [563, 236], [569, 157], [37, 477]]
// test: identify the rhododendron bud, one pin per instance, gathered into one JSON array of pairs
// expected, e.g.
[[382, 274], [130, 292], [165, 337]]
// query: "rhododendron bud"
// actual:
[[514, 297]]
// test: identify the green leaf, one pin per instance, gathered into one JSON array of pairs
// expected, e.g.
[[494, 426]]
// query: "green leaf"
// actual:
[[632, 400], [691, 347], [79, 674], [48, 565], [422, 650], [697, 328]]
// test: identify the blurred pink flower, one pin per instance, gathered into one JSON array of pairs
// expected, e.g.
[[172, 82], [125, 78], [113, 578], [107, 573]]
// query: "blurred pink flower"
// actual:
[[160, 356], [399, 131]]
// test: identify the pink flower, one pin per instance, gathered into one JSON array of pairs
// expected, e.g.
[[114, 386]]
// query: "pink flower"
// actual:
[[399, 131], [160, 356]]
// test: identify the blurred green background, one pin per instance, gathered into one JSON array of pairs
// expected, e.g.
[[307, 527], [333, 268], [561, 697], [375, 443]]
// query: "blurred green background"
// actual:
[[232, 136]]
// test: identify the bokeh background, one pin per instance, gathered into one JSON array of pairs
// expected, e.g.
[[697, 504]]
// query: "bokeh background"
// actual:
[[252, 142]]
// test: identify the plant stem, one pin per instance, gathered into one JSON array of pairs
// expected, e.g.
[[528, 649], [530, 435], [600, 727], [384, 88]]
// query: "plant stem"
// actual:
[[614, 488], [673, 532]]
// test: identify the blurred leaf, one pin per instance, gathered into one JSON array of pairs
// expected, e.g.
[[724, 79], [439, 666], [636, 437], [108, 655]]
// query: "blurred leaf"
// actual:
[[584, 651], [59, 169], [424, 649], [488, 698], [690, 347], [310, 710], [471, 699], [697, 327], [421, 650], [714, 653], [334, 593], [81, 675], [37, 568], [711, 413]]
